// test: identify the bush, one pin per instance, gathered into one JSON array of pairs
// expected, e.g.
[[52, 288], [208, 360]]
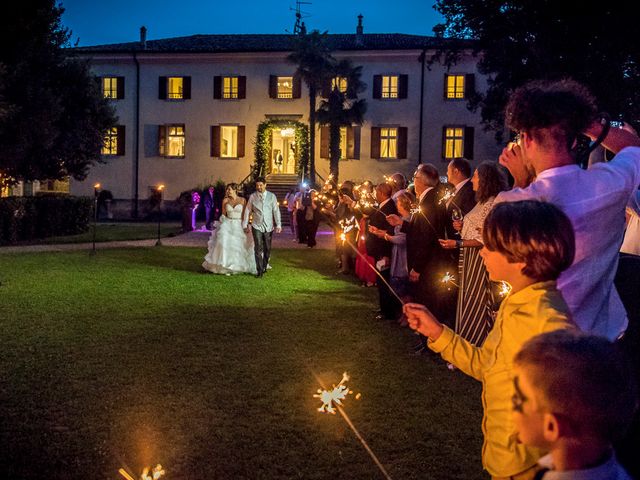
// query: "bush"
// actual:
[[29, 218]]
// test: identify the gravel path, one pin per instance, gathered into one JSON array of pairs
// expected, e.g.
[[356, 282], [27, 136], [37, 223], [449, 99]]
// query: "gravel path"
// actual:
[[191, 239]]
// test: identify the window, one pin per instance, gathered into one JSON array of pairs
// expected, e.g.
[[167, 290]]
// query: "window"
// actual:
[[110, 87], [388, 142], [54, 186], [228, 141], [171, 140], [455, 87], [114, 141], [285, 87], [340, 83], [175, 87], [230, 87], [453, 142], [389, 87], [343, 143], [110, 145], [457, 141]]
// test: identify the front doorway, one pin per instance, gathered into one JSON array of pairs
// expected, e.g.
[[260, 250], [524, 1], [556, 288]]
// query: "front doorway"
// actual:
[[283, 151]]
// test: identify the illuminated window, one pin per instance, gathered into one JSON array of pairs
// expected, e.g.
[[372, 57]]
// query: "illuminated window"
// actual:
[[455, 86], [389, 86], [175, 141], [228, 141], [110, 87], [110, 145], [388, 143], [340, 83], [230, 87], [343, 143], [175, 87], [54, 186], [285, 87], [453, 142]]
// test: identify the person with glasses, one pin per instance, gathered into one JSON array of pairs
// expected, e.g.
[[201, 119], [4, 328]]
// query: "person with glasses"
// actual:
[[526, 244], [573, 396]]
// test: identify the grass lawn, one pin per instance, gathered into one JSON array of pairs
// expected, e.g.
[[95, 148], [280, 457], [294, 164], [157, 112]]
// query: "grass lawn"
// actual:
[[109, 232], [135, 357]]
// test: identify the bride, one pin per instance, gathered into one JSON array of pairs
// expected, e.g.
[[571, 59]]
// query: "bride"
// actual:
[[230, 248]]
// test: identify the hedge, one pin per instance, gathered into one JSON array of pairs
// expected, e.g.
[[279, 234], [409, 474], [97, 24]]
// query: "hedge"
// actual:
[[29, 218]]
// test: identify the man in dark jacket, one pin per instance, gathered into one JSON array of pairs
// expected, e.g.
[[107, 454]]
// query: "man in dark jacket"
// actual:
[[209, 206], [380, 250]]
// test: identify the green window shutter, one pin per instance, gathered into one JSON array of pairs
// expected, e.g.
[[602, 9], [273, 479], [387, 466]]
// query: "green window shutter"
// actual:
[[326, 88], [469, 85], [162, 140], [215, 141], [242, 87], [324, 142], [162, 88], [297, 86], [444, 142], [120, 87], [402, 142], [217, 87], [273, 86], [468, 143], [375, 142], [403, 86], [186, 88], [121, 140], [377, 87], [240, 146]]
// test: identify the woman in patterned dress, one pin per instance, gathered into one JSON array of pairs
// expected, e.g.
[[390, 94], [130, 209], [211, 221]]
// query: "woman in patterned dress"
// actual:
[[474, 314]]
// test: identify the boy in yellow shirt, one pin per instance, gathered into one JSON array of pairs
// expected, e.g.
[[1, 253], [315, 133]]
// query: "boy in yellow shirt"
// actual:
[[526, 244]]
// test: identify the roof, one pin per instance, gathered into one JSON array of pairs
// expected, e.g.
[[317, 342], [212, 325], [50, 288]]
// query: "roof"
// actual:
[[274, 43]]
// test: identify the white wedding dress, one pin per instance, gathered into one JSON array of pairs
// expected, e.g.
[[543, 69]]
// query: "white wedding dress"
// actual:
[[230, 249]]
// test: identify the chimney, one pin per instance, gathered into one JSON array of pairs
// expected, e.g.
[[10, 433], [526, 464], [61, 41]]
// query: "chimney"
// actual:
[[143, 37], [359, 39]]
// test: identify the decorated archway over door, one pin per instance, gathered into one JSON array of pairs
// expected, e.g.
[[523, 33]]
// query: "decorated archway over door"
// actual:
[[282, 146]]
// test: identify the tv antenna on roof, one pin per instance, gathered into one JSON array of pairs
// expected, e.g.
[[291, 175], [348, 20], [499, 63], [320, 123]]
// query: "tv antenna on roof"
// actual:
[[299, 27]]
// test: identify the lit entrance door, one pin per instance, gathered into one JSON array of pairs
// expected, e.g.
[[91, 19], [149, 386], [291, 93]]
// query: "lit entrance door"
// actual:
[[283, 151]]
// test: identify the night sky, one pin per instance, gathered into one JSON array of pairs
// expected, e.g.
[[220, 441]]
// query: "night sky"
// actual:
[[115, 21]]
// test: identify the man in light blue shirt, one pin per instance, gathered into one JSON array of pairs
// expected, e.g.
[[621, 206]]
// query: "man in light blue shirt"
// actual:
[[263, 208]]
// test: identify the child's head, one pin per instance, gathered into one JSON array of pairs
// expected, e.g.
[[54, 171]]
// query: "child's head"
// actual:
[[571, 386], [529, 238]]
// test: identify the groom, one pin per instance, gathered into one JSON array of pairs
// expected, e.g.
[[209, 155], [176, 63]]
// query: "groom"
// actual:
[[263, 206]]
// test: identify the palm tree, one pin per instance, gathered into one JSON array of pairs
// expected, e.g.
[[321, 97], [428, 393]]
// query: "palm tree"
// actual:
[[312, 56], [342, 109]]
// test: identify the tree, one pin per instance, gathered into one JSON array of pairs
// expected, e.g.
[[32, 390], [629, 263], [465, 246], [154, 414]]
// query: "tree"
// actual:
[[55, 119], [342, 109], [521, 40], [312, 56]]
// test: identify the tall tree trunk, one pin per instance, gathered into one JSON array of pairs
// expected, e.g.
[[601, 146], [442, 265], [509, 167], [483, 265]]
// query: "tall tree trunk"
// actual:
[[312, 134], [334, 150]]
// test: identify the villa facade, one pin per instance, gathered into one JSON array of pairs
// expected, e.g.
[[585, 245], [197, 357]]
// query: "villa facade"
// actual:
[[189, 110]]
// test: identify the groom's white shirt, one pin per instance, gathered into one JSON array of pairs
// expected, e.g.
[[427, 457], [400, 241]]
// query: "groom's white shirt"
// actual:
[[264, 207]]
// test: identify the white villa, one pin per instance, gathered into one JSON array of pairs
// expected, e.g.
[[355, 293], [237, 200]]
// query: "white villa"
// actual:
[[190, 108]]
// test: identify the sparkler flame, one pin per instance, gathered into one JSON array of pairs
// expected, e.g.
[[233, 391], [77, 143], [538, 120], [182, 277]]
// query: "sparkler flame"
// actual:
[[448, 279], [505, 289], [147, 474], [415, 210], [448, 195], [335, 396]]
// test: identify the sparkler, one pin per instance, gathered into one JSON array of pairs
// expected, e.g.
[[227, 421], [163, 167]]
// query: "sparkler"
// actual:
[[332, 402], [448, 279], [505, 289], [147, 474], [448, 195]]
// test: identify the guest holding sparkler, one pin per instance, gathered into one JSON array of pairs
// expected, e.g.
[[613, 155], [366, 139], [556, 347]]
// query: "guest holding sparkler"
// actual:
[[527, 244], [398, 182], [426, 226], [345, 229], [474, 315], [300, 210], [311, 218], [399, 271], [380, 250]]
